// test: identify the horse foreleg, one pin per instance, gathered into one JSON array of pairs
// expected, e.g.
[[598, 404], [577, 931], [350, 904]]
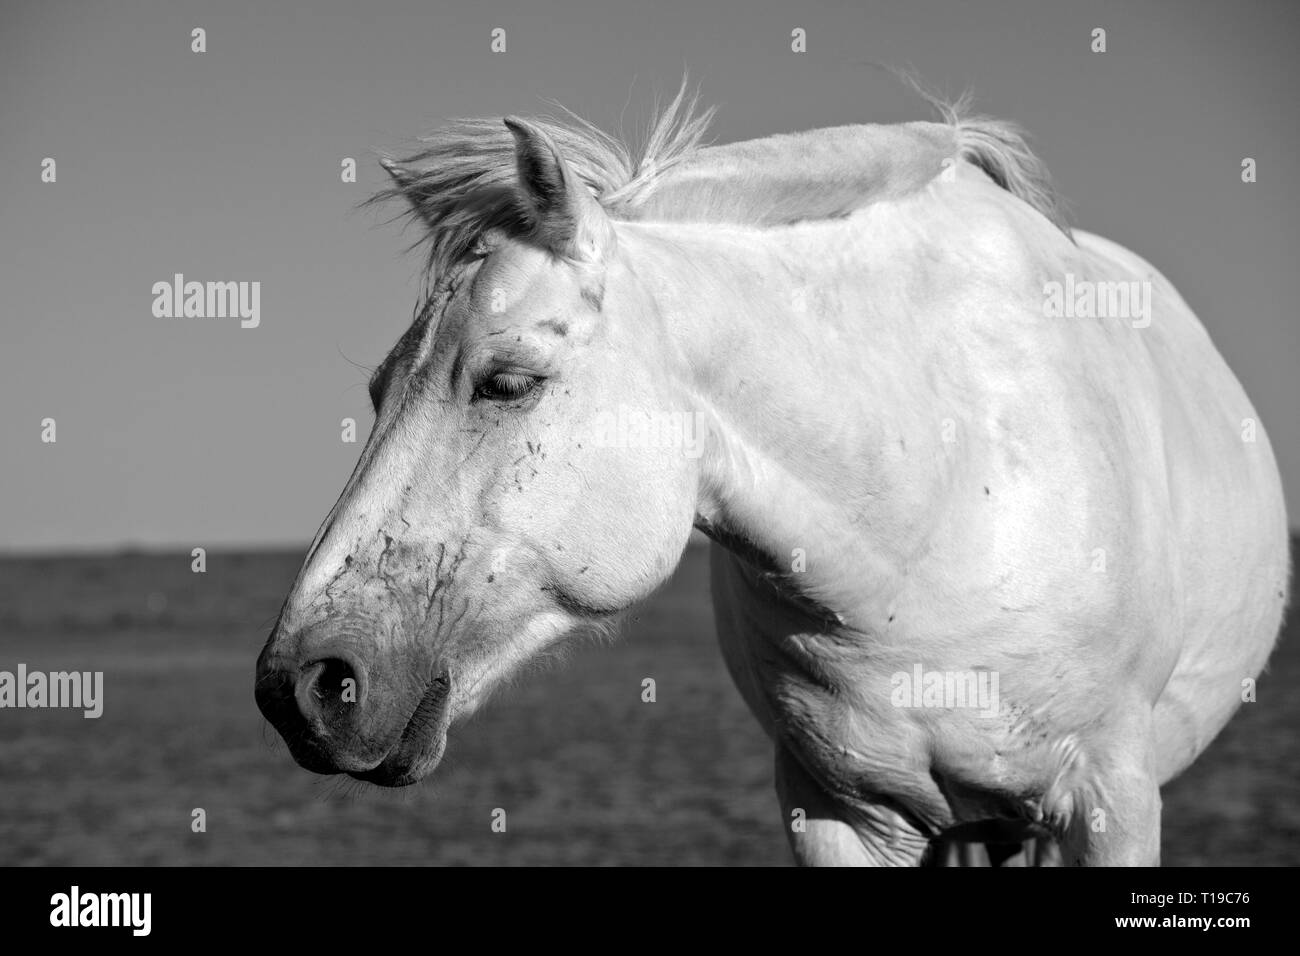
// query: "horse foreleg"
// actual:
[[946, 852], [824, 831], [1115, 819], [1036, 851], [1043, 852]]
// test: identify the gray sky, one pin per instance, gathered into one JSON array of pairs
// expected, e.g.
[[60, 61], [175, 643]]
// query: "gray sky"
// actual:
[[225, 165]]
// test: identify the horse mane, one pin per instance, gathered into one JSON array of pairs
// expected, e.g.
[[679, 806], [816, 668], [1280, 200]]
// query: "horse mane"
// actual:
[[1001, 150], [462, 181]]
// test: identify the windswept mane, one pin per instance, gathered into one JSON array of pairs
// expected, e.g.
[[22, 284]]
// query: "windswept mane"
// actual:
[[999, 148], [462, 182]]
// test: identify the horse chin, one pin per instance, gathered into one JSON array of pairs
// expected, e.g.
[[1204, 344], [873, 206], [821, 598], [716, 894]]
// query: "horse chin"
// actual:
[[420, 748], [401, 769]]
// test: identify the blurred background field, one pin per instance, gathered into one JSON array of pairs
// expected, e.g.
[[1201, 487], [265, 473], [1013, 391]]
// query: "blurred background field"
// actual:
[[587, 773]]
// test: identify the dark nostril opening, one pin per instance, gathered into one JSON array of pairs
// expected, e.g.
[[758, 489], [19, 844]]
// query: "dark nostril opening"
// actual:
[[336, 680], [329, 691]]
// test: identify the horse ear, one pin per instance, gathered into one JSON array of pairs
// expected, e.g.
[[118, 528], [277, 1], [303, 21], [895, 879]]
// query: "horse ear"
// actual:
[[567, 217], [397, 172], [404, 181]]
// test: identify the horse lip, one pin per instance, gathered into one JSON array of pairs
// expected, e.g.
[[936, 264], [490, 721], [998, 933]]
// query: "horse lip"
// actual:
[[423, 739]]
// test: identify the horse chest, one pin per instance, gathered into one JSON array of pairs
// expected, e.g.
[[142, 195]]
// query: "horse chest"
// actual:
[[833, 706]]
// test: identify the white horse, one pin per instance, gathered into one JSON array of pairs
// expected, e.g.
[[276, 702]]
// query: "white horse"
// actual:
[[1000, 540]]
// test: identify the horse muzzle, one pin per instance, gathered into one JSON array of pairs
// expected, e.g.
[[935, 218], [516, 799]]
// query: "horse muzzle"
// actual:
[[338, 716]]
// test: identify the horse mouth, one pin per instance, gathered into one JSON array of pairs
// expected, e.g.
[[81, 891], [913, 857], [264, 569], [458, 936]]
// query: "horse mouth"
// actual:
[[423, 740]]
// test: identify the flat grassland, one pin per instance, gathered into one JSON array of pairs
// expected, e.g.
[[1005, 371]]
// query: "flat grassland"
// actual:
[[586, 772]]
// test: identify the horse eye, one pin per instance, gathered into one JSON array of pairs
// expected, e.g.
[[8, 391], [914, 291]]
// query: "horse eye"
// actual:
[[506, 386]]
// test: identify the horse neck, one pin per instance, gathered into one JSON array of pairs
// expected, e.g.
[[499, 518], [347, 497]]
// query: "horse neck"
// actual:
[[807, 386]]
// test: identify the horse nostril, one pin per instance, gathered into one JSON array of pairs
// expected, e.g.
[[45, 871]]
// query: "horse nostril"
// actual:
[[329, 692], [274, 692]]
